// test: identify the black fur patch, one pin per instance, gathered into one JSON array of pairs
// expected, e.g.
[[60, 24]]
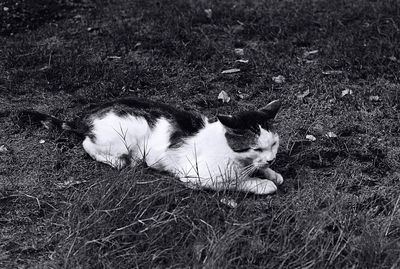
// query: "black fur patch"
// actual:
[[245, 161], [240, 142], [248, 120]]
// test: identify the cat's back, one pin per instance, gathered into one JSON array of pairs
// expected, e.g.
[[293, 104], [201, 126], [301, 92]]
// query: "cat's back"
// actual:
[[150, 110], [183, 123]]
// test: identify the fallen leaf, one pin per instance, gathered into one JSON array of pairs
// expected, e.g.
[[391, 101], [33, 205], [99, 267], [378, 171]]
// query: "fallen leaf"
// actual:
[[332, 72], [208, 12], [309, 53], [239, 52], [6, 9], [3, 149], [331, 135], [231, 71], [346, 92], [229, 202], [242, 61], [224, 97], [279, 79], [374, 98], [303, 95], [42, 141], [311, 137]]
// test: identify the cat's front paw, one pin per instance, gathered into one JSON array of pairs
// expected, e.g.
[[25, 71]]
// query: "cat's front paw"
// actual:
[[267, 187], [278, 179]]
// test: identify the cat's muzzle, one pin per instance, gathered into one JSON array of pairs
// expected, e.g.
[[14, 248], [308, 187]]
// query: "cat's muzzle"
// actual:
[[265, 165]]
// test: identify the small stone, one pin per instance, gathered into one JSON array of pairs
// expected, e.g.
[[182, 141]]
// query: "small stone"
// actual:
[[42, 141], [6, 9]]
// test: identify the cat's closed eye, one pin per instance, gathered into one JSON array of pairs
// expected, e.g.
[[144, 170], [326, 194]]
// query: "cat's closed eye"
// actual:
[[241, 150], [259, 150]]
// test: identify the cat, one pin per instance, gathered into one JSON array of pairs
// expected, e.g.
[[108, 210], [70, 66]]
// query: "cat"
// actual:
[[233, 152]]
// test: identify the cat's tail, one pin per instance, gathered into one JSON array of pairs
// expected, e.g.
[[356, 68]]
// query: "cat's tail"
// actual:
[[31, 117]]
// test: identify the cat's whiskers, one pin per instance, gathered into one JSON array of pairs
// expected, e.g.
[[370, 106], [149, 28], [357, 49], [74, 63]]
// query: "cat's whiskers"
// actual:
[[247, 170]]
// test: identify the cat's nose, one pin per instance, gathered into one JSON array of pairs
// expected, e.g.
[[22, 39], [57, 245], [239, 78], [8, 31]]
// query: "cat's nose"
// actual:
[[269, 162]]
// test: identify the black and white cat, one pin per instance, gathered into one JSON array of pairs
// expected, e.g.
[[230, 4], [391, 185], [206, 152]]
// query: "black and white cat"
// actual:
[[225, 154]]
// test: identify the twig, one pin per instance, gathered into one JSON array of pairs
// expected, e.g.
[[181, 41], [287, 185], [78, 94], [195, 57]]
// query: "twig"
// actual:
[[33, 197]]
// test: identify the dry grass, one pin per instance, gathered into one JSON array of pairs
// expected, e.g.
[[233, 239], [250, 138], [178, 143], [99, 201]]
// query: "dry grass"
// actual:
[[339, 205]]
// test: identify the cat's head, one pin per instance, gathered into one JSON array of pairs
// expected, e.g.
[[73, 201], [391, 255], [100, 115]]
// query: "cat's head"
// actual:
[[250, 134]]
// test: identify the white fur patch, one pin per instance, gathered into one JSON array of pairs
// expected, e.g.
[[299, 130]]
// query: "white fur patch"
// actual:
[[269, 143], [205, 156], [116, 136]]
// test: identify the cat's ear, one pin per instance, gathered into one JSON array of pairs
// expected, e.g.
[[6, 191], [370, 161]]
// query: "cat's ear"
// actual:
[[229, 121], [271, 109]]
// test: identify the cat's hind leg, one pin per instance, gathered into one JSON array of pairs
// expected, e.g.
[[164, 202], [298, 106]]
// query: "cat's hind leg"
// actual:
[[115, 162], [105, 155]]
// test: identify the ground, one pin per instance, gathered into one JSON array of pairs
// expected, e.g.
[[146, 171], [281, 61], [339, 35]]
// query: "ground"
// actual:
[[339, 204]]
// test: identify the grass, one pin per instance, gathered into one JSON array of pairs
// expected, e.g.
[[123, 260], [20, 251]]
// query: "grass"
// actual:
[[339, 204]]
